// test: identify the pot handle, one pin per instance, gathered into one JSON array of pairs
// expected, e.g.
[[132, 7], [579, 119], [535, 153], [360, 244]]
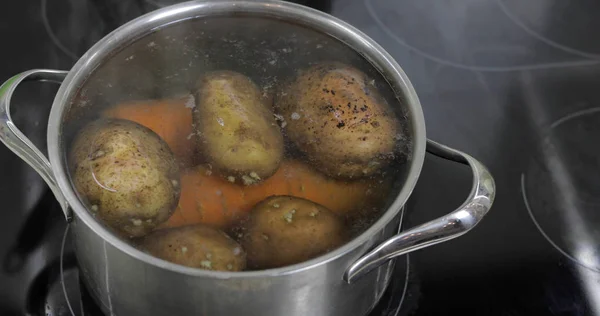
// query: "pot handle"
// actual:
[[14, 139], [438, 230]]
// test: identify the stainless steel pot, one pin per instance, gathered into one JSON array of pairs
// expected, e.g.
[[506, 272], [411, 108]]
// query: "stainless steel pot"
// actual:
[[347, 281]]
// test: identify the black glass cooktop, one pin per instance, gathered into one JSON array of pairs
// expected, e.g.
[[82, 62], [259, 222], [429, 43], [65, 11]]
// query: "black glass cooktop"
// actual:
[[513, 83]]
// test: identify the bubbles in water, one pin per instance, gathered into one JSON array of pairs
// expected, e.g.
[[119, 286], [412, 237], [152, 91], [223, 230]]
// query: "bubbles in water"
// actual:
[[167, 64]]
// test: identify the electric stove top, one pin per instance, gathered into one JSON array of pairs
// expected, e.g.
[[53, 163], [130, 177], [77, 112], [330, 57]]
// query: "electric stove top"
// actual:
[[513, 83]]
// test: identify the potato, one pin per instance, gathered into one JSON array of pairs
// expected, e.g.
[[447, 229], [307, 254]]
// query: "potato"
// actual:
[[236, 128], [125, 174], [284, 230], [196, 246], [334, 115]]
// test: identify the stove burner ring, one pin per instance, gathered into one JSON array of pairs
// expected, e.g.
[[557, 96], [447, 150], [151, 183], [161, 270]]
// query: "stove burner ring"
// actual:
[[555, 192], [62, 271], [51, 33]]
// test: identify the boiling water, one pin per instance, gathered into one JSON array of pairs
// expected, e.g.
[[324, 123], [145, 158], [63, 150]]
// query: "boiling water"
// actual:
[[167, 63]]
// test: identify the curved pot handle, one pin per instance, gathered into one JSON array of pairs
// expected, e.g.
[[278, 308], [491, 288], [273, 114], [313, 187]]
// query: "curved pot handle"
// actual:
[[14, 139], [438, 230]]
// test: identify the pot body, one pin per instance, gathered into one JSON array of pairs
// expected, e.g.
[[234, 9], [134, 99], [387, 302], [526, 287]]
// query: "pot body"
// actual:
[[129, 285], [125, 281], [124, 285]]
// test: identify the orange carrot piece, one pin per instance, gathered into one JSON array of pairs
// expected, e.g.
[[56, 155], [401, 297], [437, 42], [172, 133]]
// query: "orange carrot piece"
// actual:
[[171, 119]]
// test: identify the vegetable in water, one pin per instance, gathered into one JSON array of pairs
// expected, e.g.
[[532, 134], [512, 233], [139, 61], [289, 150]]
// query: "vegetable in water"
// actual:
[[196, 246], [171, 119], [125, 174], [212, 200], [337, 118], [284, 230], [236, 129]]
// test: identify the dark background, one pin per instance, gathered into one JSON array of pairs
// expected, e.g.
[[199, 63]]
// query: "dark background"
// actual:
[[494, 79]]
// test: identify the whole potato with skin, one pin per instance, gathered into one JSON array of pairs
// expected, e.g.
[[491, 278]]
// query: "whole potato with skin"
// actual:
[[125, 174], [196, 246], [284, 230], [236, 128], [338, 119]]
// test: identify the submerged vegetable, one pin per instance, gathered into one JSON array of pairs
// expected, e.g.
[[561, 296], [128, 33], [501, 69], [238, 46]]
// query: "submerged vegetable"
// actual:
[[125, 174], [337, 118], [209, 199], [171, 119], [196, 246], [343, 197], [284, 230], [212, 200], [236, 128], [283, 207]]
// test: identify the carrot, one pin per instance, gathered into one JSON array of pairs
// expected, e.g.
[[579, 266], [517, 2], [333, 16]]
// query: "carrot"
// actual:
[[209, 199], [212, 200], [300, 180], [171, 119]]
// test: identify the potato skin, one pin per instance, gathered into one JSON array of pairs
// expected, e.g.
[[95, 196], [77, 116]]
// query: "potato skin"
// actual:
[[284, 230], [236, 128], [339, 120], [125, 174], [196, 246]]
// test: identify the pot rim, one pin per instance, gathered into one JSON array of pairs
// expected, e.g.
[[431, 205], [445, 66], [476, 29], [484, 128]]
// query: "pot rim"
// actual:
[[305, 16]]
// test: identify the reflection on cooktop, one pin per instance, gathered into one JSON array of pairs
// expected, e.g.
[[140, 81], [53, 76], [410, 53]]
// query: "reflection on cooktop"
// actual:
[[561, 189], [72, 25], [536, 17], [451, 35]]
